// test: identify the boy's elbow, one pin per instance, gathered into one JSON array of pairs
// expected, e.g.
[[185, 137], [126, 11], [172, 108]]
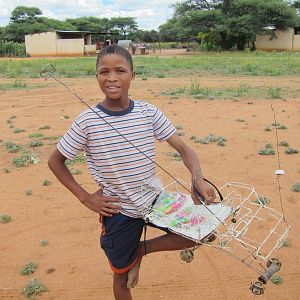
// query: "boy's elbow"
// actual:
[[55, 158]]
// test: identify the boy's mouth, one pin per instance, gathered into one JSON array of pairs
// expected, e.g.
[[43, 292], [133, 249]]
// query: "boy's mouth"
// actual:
[[113, 88]]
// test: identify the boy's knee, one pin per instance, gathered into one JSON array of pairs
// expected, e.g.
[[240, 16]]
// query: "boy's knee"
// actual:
[[120, 280]]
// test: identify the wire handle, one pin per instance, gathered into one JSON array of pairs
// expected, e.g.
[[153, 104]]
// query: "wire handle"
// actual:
[[47, 71]]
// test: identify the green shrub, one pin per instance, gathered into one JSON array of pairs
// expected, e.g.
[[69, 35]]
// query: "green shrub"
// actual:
[[284, 144], [44, 243], [296, 187], [19, 83], [5, 219], [33, 288], [25, 160], [266, 151], [18, 130], [269, 146], [262, 200], [12, 147], [36, 143], [75, 171], [46, 182], [36, 135], [290, 151], [28, 192], [276, 279], [80, 158], [44, 127], [29, 268], [275, 93], [11, 49]]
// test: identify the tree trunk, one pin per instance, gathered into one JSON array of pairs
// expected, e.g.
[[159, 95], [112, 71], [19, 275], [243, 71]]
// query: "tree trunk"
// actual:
[[224, 41], [240, 43]]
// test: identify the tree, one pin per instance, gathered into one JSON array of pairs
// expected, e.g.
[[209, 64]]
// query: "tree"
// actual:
[[22, 14], [169, 31], [91, 24], [232, 22], [125, 25], [182, 8]]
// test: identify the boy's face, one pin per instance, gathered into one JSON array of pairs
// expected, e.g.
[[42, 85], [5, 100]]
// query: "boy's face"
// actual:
[[114, 76]]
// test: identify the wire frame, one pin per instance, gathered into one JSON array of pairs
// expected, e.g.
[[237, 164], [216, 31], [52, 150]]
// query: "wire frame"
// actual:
[[243, 225]]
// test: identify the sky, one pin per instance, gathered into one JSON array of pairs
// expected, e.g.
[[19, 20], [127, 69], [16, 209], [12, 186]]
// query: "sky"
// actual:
[[149, 14]]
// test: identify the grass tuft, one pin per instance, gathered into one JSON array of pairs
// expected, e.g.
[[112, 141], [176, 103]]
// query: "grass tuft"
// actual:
[[291, 151], [29, 268], [284, 144], [18, 130], [33, 288], [175, 155], [46, 182], [276, 279], [5, 219], [44, 243], [12, 147], [286, 243], [296, 187], [36, 143], [25, 160], [262, 200], [36, 135], [44, 127], [28, 192], [79, 158]]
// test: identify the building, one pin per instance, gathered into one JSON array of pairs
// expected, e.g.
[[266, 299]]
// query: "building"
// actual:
[[279, 40], [60, 43]]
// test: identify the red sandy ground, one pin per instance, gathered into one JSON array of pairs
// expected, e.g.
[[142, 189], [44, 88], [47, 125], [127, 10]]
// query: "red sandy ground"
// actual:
[[72, 266]]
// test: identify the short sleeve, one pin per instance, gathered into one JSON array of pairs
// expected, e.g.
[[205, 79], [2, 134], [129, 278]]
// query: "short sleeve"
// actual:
[[73, 141], [163, 129]]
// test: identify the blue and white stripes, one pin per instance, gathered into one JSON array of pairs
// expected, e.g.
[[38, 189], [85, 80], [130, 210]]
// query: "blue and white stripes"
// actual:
[[115, 164]]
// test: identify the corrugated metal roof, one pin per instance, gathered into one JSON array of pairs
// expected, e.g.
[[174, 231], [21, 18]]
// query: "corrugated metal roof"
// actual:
[[81, 32]]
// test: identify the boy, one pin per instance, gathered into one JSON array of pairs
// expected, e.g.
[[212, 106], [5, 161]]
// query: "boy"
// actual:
[[119, 144]]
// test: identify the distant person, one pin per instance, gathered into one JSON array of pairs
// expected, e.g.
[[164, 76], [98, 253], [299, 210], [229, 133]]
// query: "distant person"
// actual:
[[115, 145]]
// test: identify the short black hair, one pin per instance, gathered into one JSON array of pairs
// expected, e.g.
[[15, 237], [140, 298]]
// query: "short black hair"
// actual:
[[114, 49]]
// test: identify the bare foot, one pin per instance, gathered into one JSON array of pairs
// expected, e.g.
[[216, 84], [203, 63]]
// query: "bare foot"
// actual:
[[133, 273]]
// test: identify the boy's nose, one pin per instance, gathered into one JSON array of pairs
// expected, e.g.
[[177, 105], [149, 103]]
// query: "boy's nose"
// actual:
[[111, 78]]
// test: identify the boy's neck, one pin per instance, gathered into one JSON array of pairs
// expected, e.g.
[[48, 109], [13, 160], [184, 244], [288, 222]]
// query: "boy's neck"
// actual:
[[115, 105]]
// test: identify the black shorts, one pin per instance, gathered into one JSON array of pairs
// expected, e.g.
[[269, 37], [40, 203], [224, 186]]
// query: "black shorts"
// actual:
[[120, 240]]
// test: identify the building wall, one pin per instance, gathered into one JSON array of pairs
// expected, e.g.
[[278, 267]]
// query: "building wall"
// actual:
[[70, 47], [41, 44], [296, 45], [284, 41], [90, 49]]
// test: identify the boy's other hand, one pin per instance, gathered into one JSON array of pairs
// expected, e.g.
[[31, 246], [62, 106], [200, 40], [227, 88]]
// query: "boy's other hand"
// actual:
[[104, 205], [206, 191]]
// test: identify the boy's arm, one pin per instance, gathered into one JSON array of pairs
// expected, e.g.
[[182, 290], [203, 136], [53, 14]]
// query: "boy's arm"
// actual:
[[96, 201], [191, 161]]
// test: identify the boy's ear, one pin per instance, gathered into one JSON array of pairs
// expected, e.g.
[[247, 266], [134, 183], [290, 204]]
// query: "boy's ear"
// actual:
[[133, 75]]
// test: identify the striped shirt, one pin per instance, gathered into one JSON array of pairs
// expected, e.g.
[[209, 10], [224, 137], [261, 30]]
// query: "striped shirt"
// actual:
[[119, 166]]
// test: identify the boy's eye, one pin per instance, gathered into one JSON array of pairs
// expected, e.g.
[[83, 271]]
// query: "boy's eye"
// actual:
[[120, 71], [103, 72]]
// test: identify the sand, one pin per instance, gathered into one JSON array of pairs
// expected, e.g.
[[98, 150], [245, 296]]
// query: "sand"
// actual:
[[72, 265]]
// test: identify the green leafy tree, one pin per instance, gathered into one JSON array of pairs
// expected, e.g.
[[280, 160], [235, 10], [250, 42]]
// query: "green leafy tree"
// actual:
[[24, 14], [231, 23], [93, 24], [127, 26], [27, 20], [150, 36]]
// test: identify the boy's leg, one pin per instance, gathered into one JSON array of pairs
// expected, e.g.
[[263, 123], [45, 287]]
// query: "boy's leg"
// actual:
[[121, 292], [167, 242]]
